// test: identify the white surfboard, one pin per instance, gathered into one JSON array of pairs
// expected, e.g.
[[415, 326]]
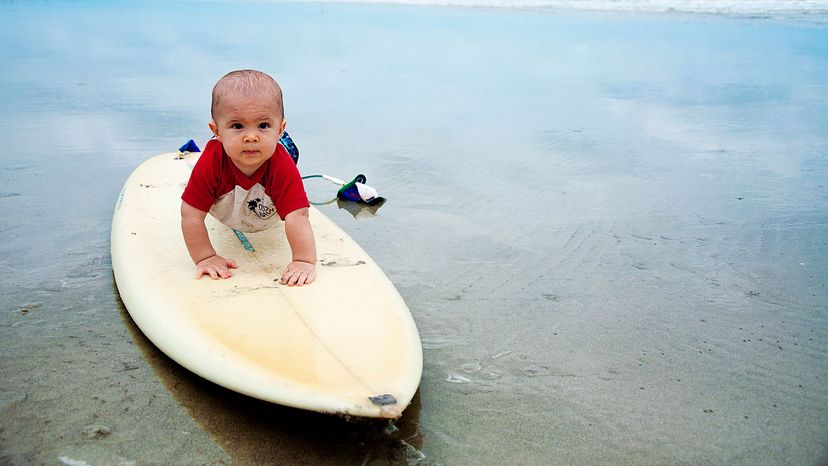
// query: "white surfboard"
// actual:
[[345, 344]]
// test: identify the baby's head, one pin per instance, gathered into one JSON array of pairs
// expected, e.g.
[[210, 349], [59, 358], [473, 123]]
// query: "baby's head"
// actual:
[[245, 85], [248, 117]]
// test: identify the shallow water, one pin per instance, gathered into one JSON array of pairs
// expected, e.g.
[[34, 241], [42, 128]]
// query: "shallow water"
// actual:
[[611, 230]]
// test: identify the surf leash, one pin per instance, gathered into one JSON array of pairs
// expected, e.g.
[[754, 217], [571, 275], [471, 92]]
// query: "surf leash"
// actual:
[[355, 190]]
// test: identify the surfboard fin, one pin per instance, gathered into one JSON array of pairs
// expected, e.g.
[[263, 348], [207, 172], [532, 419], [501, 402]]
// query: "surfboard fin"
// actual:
[[189, 146]]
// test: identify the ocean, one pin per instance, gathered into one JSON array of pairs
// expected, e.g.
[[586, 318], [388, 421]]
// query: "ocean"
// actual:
[[611, 227]]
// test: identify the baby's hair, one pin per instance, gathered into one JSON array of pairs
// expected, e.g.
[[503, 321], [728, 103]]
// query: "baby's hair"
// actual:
[[247, 83]]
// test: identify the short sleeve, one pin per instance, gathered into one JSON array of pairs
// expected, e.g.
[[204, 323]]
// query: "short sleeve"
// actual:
[[287, 190], [204, 180]]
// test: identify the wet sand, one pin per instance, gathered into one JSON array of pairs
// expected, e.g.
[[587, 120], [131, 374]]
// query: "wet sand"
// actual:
[[611, 230]]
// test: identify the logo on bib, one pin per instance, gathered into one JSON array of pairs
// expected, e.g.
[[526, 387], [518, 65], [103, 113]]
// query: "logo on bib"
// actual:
[[261, 210]]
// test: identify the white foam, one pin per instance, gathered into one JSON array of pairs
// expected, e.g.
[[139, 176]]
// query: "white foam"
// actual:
[[70, 462], [746, 7]]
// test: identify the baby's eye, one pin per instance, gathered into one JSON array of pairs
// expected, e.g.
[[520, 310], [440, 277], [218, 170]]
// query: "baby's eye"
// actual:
[[237, 126], [264, 125]]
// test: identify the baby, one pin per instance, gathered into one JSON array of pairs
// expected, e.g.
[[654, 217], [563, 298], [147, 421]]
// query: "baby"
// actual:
[[246, 179]]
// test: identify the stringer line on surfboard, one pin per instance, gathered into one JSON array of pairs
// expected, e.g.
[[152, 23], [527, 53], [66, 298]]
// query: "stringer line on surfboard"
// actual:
[[379, 399]]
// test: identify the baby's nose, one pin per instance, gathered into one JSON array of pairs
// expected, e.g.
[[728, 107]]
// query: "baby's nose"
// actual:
[[251, 137]]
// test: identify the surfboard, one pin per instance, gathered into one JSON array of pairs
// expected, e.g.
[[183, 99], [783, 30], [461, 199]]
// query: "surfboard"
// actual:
[[345, 344]]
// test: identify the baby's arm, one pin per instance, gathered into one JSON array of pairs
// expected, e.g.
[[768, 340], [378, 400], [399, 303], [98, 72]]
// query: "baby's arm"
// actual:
[[302, 270], [198, 244]]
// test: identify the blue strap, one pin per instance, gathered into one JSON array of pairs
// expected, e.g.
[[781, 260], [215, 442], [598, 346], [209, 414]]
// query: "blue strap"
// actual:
[[290, 146], [244, 241]]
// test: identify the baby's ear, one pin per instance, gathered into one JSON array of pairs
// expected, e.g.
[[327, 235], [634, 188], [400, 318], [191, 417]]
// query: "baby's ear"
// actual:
[[214, 128], [282, 128]]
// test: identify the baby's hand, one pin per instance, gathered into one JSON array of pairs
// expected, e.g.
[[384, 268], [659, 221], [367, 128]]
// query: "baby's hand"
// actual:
[[216, 267], [298, 273]]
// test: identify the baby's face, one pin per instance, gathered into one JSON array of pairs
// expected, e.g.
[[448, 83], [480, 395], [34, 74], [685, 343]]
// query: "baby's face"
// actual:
[[249, 130]]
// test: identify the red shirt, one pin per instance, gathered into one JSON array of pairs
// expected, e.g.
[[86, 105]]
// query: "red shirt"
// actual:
[[245, 203]]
